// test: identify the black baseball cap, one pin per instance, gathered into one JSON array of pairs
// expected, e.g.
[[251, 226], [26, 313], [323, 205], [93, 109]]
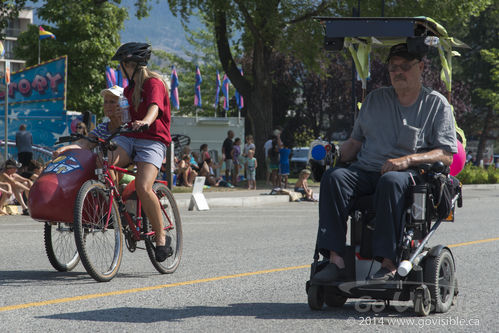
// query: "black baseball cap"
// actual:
[[401, 50]]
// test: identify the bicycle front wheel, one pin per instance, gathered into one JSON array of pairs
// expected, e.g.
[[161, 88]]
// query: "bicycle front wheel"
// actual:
[[173, 227], [97, 228], [60, 246]]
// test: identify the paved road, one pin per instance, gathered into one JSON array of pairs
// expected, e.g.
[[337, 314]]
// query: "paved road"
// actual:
[[244, 269]]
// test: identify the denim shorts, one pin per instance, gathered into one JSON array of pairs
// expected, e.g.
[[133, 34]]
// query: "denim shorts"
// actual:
[[142, 150]]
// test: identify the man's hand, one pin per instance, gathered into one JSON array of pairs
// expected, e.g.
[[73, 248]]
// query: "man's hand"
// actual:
[[395, 164]]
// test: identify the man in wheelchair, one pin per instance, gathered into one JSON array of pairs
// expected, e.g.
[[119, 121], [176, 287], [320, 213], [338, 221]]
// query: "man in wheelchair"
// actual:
[[398, 127]]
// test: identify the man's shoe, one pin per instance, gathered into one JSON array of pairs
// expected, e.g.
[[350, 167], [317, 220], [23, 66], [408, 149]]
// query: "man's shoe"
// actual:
[[164, 251], [382, 275], [330, 273]]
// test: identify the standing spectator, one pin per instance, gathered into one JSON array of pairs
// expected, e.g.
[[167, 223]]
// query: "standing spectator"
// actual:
[[251, 165], [284, 156], [227, 154], [24, 143], [236, 153], [274, 162], [469, 157], [267, 146], [249, 145]]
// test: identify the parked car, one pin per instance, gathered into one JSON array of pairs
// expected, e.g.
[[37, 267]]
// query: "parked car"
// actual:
[[299, 160]]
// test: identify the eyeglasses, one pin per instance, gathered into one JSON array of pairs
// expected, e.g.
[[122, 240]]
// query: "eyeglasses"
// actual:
[[79, 127], [403, 67]]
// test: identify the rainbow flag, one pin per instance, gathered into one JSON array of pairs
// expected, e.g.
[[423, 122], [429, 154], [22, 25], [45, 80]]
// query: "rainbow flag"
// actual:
[[110, 77], [197, 88], [174, 89], [45, 34], [2, 50], [217, 99], [225, 91]]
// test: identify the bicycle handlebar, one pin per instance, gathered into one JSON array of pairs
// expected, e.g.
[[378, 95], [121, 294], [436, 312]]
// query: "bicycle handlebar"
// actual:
[[124, 128]]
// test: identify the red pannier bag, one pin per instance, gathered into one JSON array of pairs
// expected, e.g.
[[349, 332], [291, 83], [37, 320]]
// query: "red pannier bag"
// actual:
[[52, 197]]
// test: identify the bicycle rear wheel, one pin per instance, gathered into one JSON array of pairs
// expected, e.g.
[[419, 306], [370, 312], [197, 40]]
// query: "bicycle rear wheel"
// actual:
[[100, 246], [173, 226], [60, 246]]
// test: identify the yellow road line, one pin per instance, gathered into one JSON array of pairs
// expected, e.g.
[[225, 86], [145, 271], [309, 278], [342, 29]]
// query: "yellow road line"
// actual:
[[475, 242], [185, 283], [135, 290]]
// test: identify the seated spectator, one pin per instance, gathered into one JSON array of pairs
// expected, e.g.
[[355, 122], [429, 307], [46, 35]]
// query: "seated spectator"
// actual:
[[18, 183], [35, 168], [185, 174], [81, 128], [5, 194], [301, 185], [204, 154]]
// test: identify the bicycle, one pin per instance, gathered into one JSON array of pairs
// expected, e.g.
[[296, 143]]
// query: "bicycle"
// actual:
[[100, 208]]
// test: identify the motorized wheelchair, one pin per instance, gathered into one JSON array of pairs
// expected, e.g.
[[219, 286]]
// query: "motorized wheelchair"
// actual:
[[425, 274]]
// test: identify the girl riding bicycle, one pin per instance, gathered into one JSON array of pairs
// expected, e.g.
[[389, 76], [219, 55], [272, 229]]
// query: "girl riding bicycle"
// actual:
[[147, 95]]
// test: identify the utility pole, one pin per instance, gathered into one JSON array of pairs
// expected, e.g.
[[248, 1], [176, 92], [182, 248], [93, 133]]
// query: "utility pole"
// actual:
[[7, 81]]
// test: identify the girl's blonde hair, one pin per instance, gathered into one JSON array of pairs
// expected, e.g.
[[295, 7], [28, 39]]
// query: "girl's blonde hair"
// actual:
[[305, 172], [143, 73]]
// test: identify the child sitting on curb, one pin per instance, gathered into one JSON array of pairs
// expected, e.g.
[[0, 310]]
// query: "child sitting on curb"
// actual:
[[301, 185]]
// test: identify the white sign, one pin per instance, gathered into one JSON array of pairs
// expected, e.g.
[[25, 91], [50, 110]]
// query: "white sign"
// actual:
[[197, 198]]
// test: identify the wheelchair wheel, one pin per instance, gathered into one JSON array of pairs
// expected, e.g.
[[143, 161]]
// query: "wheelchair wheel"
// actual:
[[315, 297], [332, 299], [439, 276], [60, 246], [173, 226], [422, 301], [100, 246]]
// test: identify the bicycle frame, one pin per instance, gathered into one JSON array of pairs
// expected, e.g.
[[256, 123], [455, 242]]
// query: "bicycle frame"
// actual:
[[105, 177]]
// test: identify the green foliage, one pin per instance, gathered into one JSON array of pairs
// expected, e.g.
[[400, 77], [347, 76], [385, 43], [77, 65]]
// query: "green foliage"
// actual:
[[9, 10], [303, 136], [88, 33], [475, 175]]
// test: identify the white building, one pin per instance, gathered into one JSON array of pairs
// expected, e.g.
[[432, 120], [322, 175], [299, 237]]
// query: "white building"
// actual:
[[13, 30]]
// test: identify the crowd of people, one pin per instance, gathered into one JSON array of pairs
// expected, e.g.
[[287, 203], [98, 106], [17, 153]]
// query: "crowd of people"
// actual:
[[238, 164]]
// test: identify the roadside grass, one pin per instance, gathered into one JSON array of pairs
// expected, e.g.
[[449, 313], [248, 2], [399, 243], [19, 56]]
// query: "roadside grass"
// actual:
[[260, 185]]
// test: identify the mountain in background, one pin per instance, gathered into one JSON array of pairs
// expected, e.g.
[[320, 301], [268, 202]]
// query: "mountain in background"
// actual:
[[160, 28]]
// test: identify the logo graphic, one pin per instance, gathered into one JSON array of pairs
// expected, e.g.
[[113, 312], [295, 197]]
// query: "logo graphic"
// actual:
[[62, 165]]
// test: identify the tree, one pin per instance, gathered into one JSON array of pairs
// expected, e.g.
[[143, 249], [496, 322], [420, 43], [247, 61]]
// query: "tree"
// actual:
[[9, 10], [88, 32], [478, 70]]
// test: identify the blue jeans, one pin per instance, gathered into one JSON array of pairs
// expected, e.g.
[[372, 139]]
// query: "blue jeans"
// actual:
[[340, 187]]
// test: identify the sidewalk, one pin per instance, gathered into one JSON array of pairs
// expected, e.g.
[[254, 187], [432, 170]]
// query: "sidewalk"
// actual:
[[253, 198], [241, 198]]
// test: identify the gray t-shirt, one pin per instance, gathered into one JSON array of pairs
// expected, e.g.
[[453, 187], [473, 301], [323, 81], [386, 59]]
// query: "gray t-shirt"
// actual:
[[390, 130], [24, 140]]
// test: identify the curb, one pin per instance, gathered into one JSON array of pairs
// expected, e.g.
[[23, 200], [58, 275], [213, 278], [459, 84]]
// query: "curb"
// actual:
[[252, 201], [481, 186]]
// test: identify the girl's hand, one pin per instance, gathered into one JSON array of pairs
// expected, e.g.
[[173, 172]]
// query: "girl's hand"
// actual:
[[137, 124]]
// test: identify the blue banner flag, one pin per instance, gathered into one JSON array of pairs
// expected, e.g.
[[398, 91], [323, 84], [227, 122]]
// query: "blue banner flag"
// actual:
[[225, 91], [217, 99], [197, 88], [174, 89]]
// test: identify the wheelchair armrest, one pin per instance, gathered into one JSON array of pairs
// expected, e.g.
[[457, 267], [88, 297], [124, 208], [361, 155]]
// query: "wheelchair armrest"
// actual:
[[437, 167]]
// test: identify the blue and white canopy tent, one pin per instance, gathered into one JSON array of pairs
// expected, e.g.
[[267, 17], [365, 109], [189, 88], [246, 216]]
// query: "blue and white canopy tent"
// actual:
[[359, 35]]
